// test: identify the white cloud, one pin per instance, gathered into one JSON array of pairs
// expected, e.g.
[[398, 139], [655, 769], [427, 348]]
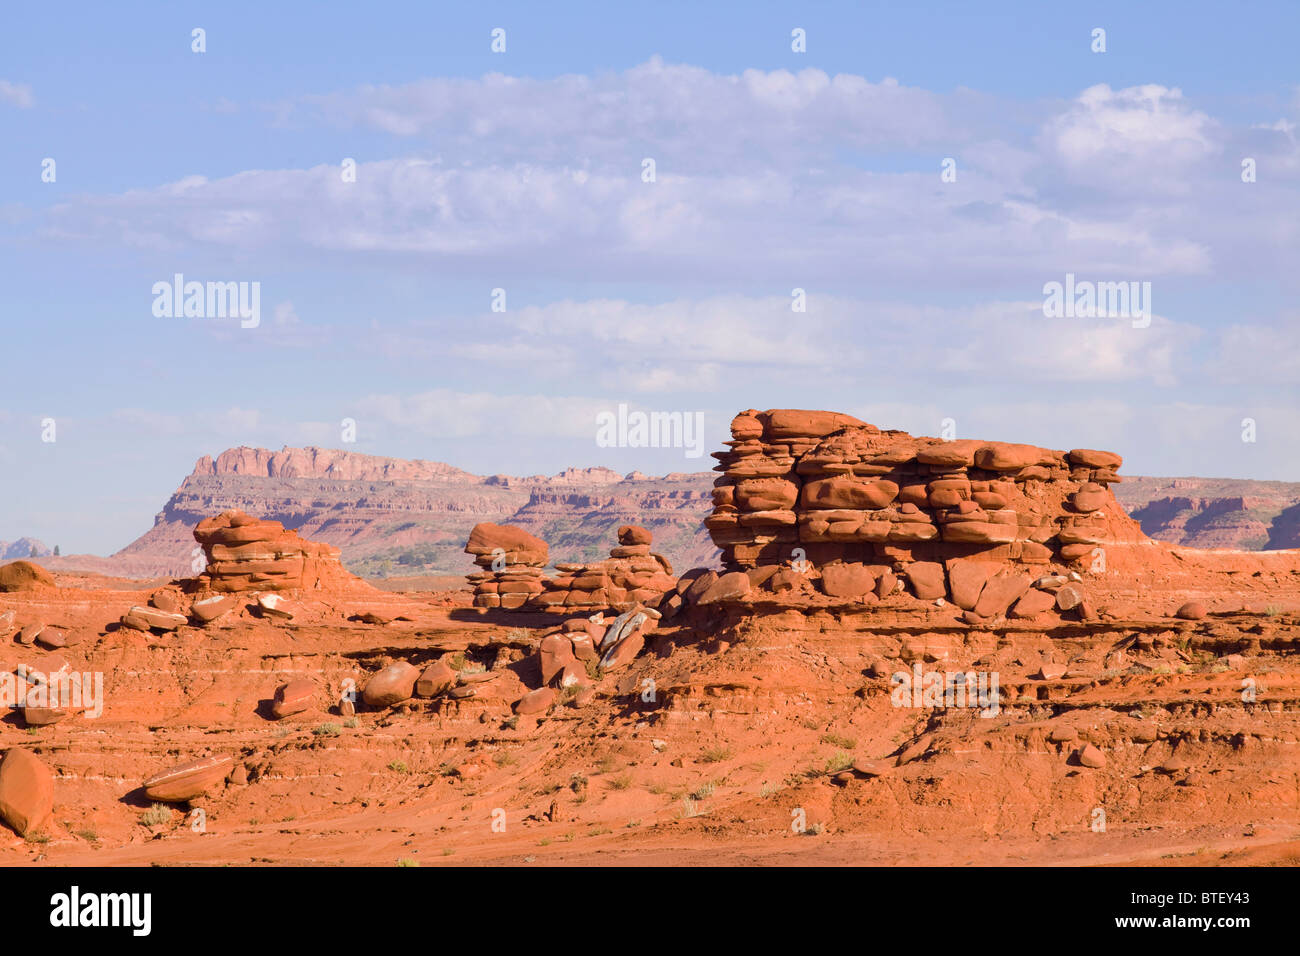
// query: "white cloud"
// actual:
[[17, 94]]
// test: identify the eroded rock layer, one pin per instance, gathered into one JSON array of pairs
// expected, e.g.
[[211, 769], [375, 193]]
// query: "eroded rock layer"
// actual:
[[844, 507], [249, 554]]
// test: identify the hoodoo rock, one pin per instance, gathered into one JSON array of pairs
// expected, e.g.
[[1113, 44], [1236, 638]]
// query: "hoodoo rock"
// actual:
[[513, 561], [633, 575], [249, 554], [857, 509]]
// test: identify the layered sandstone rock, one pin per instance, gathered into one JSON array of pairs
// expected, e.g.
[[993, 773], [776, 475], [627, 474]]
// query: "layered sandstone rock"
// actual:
[[248, 554], [512, 560], [632, 575], [857, 513]]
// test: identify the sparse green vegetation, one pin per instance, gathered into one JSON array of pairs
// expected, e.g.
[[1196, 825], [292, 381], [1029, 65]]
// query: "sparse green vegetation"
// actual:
[[328, 730], [703, 791], [715, 755], [351, 723], [407, 861], [838, 762], [504, 759], [840, 742], [621, 782], [156, 815], [397, 766]]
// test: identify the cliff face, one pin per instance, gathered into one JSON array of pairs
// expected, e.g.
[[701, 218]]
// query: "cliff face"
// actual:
[[388, 515], [1215, 512]]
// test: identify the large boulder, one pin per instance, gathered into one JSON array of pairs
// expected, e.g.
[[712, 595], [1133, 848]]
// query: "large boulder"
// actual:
[[392, 685], [26, 790], [24, 576], [189, 780]]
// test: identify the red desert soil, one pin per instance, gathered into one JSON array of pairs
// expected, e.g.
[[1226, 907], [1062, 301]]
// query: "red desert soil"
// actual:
[[1146, 711], [738, 738]]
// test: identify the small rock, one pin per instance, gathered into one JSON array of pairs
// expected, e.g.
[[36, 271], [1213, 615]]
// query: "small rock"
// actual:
[[1191, 611], [437, 678], [210, 609], [1090, 756], [30, 633], [293, 697], [536, 702]]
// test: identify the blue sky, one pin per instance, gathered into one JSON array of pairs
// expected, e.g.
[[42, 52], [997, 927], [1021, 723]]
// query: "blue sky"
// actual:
[[522, 170]]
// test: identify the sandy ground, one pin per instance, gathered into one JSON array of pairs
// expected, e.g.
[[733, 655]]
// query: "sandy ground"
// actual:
[[731, 740]]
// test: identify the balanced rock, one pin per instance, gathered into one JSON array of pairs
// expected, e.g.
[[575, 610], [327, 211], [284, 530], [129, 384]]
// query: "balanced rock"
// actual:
[[249, 554]]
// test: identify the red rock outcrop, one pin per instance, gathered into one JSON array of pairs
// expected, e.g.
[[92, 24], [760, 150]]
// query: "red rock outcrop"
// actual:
[[247, 554], [859, 512], [513, 561], [632, 575]]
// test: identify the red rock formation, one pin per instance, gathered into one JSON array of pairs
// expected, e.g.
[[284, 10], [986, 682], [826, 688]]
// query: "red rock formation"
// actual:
[[633, 575], [860, 511], [248, 554]]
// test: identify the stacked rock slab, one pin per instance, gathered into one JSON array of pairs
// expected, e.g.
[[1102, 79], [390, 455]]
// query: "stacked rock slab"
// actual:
[[633, 575], [817, 490], [513, 561], [250, 554]]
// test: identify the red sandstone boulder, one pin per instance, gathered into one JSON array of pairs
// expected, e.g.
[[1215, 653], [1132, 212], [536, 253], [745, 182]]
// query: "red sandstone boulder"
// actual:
[[966, 579], [188, 780], [149, 618], [623, 652], [435, 679], [1001, 591], [1007, 456], [26, 791], [556, 650], [728, 587], [848, 493], [24, 576], [536, 702], [785, 423], [392, 685], [293, 697], [1033, 603], [950, 454], [213, 608], [485, 538], [927, 580], [631, 534], [1191, 611], [853, 581], [766, 494], [1092, 458]]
